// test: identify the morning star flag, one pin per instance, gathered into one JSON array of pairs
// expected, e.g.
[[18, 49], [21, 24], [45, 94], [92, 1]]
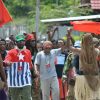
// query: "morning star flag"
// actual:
[[18, 74], [4, 14], [86, 26]]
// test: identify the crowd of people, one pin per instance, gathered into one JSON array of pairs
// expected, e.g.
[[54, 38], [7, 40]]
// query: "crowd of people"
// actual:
[[49, 70]]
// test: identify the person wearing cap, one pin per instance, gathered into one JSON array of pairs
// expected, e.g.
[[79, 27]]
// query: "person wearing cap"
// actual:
[[31, 45], [19, 76]]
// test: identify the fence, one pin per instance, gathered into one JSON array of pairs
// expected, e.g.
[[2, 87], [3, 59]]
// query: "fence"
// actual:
[[8, 30]]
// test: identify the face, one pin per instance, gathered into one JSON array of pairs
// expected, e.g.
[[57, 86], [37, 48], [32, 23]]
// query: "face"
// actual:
[[2, 45], [47, 48], [39, 47], [33, 43], [9, 45], [20, 44], [54, 45], [60, 43]]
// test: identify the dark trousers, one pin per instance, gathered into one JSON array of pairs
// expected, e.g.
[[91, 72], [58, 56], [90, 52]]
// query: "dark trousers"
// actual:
[[3, 95]]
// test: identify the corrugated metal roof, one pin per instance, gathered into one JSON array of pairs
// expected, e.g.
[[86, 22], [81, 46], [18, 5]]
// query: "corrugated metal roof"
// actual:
[[95, 4], [70, 18]]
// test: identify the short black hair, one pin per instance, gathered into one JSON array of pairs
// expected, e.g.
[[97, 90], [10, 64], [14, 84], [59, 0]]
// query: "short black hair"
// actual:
[[3, 40], [54, 41], [61, 40]]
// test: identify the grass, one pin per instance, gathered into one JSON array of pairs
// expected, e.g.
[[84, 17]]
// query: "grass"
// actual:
[[77, 37]]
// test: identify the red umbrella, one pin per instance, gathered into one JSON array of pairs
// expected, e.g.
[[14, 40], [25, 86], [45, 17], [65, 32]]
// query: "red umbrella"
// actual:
[[86, 26], [4, 14]]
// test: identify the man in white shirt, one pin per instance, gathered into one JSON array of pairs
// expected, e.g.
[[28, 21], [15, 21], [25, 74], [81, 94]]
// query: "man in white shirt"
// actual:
[[45, 61]]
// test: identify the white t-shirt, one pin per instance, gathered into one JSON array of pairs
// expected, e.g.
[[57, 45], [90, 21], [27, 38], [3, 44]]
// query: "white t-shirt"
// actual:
[[47, 63]]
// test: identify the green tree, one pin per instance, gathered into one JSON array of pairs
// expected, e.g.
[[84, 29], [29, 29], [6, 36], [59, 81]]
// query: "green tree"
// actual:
[[24, 11]]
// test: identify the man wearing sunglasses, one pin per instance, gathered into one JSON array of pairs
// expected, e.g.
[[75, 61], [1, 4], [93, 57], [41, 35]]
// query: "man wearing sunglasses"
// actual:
[[45, 61]]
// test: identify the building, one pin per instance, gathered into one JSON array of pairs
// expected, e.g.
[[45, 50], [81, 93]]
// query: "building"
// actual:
[[63, 23], [93, 4]]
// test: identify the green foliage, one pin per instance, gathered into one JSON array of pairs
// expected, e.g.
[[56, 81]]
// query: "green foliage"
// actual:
[[52, 11], [19, 8], [25, 10]]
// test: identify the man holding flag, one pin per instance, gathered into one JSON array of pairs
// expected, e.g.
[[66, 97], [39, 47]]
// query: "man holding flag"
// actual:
[[19, 76]]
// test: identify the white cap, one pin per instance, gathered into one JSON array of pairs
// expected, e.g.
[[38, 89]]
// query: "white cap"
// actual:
[[7, 39]]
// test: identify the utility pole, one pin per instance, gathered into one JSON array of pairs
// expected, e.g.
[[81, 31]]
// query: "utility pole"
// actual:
[[37, 16]]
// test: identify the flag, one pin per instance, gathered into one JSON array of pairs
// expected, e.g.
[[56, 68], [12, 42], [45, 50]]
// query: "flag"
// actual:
[[4, 14], [86, 26], [19, 74]]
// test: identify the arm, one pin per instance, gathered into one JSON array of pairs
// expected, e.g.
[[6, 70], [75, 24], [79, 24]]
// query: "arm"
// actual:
[[36, 66], [34, 72], [2, 73], [72, 40], [32, 68], [37, 63], [73, 49], [98, 54], [8, 58]]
